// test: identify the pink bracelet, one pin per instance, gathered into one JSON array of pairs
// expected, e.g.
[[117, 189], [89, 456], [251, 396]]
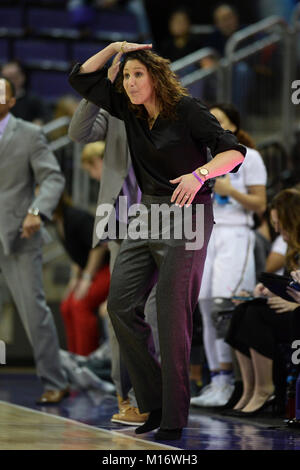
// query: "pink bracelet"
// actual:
[[198, 177]]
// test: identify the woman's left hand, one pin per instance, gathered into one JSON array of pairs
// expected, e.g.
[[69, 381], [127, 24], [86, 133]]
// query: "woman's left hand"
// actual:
[[223, 186], [281, 305], [186, 190]]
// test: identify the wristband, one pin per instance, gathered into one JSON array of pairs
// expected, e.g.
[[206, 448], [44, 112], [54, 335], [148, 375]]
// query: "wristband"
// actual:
[[198, 177]]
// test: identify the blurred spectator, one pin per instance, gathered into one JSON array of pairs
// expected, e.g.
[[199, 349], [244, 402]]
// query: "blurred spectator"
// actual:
[[27, 161], [92, 159], [236, 197], [226, 21], [258, 326], [159, 13], [28, 106], [182, 41], [89, 283], [64, 107], [89, 372], [270, 248]]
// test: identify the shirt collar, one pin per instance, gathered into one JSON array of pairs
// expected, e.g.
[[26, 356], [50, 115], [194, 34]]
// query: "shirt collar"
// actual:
[[3, 124]]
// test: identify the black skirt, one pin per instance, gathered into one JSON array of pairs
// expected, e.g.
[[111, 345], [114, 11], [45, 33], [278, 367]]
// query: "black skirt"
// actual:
[[255, 325]]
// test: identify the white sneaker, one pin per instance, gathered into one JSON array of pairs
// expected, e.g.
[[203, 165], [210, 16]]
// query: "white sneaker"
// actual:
[[91, 380], [205, 393], [220, 397]]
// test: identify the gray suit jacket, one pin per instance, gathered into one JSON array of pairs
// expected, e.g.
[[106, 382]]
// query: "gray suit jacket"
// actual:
[[25, 161], [90, 124]]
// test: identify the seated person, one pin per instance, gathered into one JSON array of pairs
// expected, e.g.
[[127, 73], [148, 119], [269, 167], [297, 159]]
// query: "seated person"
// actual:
[[28, 106], [182, 41], [259, 325], [89, 283], [226, 22]]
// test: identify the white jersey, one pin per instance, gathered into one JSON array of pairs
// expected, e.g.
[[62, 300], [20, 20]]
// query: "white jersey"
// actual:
[[279, 246], [252, 172]]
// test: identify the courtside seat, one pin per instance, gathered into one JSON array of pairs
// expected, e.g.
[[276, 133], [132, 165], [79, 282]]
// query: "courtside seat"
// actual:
[[11, 21], [81, 51], [49, 84], [4, 50], [43, 53], [51, 22], [115, 25]]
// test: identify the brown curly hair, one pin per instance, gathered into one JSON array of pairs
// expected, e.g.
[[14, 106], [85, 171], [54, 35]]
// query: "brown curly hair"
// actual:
[[167, 88], [287, 205]]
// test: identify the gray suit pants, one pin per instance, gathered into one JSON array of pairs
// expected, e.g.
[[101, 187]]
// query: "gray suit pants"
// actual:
[[23, 275], [119, 373], [178, 285]]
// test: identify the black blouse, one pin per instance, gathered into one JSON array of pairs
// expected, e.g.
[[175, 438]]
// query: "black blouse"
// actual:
[[171, 148]]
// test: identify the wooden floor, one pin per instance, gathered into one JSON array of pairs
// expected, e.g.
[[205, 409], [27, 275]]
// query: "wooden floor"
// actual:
[[24, 429], [82, 421]]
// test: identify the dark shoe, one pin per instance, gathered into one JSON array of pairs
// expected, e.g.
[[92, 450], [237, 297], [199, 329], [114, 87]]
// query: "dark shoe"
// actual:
[[52, 397], [168, 434], [244, 414], [152, 422], [232, 412], [294, 423]]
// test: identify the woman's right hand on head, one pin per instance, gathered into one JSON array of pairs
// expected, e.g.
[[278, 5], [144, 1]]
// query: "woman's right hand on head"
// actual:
[[124, 46], [121, 48]]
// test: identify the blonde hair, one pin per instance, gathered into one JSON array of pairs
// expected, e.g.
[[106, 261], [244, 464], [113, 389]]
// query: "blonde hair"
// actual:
[[91, 152]]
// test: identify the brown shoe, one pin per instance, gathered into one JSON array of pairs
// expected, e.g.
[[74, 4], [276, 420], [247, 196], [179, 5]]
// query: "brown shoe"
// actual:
[[123, 403], [130, 416], [52, 396]]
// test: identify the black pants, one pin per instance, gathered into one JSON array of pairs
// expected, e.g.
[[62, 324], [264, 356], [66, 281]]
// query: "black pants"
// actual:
[[178, 285], [255, 325]]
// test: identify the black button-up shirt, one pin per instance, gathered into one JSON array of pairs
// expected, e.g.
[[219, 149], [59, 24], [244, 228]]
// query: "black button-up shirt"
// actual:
[[171, 148]]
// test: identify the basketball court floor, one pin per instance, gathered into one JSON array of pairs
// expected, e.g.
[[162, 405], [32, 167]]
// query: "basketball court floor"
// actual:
[[82, 422]]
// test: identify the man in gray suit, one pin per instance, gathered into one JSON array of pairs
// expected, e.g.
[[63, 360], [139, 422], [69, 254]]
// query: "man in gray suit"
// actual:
[[26, 161], [90, 124]]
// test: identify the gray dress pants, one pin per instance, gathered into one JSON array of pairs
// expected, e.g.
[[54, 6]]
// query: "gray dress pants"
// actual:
[[178, 285], [23, 275], [119, 371]]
